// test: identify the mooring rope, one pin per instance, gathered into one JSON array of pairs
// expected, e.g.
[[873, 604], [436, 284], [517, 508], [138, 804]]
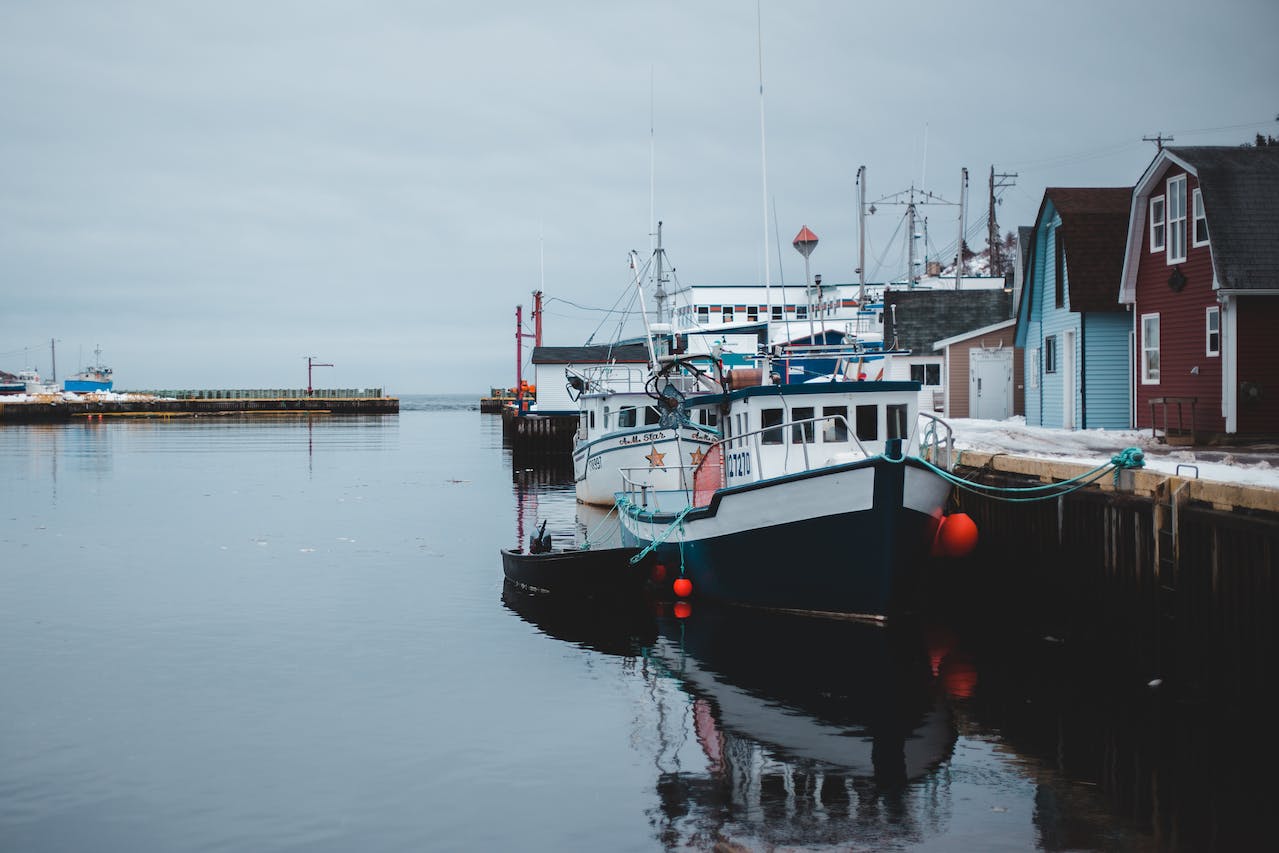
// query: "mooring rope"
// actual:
[[678, 521], [1128, 458]]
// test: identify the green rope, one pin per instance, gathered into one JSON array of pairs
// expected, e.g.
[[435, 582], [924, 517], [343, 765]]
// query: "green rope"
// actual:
[[1131, 457], [677, 522], [586, 545]]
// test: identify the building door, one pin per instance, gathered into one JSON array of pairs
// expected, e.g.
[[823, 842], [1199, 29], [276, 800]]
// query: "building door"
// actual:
[[990, 383]]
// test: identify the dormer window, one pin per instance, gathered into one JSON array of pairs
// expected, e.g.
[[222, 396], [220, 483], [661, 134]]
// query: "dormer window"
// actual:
[[1201, 220], [1157, 224], [1177, 219]]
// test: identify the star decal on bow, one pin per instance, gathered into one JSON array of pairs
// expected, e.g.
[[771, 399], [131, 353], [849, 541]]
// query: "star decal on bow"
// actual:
[[656, 459], [696, 457]]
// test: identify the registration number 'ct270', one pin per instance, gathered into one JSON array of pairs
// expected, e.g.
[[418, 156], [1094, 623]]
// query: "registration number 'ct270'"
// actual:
[[738, 464]]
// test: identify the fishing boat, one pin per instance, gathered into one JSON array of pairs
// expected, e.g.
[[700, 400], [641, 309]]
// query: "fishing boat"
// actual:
[[817, 498], [96, 377]]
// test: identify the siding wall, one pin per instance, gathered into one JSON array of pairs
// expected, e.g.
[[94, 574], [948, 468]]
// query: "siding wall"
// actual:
[[959, 404], [1182, 333], [1056, 322], [1105, 370]]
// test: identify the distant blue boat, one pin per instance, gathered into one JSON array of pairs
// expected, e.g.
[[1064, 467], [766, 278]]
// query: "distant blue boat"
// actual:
[[95, 378]]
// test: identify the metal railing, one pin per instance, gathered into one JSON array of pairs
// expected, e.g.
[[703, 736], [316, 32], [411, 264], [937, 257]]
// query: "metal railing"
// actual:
[[263, 393]]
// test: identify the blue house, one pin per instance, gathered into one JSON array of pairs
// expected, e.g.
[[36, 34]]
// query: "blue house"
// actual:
[[1074, 331]]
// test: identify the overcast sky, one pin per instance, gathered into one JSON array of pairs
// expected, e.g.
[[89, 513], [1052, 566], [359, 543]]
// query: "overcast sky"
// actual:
[[214, 191]]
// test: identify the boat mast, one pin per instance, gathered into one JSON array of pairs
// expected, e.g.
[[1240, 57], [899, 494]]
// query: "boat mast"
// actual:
[[648, 330], [763, 161], [861, 236], [659, 292], [53, 357]]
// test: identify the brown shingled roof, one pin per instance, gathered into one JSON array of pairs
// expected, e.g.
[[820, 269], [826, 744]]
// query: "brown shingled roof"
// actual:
[[1093, 233]]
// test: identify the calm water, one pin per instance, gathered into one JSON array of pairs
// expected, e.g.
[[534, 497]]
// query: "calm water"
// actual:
[[292, 634]]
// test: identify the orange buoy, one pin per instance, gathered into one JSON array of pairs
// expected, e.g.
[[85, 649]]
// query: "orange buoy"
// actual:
[[683, 610], [958, 535], [683, 587], [659, 573]]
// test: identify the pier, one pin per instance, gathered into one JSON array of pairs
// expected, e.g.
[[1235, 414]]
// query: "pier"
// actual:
[[1186, 570], [199, 403]]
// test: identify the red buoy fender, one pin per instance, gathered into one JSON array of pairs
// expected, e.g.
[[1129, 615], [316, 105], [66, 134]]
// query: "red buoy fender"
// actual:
[[958, 535], [683, 587]]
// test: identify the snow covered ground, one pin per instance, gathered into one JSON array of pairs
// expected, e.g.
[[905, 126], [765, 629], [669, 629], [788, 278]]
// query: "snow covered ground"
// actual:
[[1256, 466], [54, 395]]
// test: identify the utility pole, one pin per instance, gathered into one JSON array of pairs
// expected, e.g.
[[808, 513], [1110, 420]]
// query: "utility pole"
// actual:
[[310, 363], [997, 182], [959, 252], [1159, 139]]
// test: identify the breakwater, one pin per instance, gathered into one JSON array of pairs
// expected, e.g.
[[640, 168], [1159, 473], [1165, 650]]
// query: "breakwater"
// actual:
[[198, 403]]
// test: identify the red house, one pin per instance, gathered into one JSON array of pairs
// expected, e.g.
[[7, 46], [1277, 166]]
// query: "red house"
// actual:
[[1201, 274]]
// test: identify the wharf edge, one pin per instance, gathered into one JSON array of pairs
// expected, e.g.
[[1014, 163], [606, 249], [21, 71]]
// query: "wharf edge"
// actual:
[[56, 411]]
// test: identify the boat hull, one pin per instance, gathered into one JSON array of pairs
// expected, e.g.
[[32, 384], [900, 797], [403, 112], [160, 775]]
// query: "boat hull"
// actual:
[[658, 458], [851, 539], [606, 572], [81, 386]]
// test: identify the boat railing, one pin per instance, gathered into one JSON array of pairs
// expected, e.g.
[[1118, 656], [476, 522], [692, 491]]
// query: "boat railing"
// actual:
[[936, 440], [637, 489], [806, 429]]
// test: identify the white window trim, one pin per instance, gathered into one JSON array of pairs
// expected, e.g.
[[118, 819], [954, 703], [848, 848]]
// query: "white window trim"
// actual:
[[1032, 380], [1173, 220], [1145, 375], [1212, 311], [1198, 215], [1161, 223]]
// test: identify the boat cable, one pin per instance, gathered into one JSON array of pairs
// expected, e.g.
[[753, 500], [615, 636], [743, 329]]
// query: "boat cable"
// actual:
[[590, 534], [1128, 459], [678, 521]]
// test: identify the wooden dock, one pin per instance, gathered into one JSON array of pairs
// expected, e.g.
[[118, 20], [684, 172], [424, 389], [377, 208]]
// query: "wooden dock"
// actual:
[[211, 404], [1186, 569]]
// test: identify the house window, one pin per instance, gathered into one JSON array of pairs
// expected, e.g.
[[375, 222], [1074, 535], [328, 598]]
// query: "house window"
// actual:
[[1201, 220], [802, 433], [770, 421], [728, 314], [801, 312], [752, 314], [777, 312], [1213, 324], [1032, 380], [1177, 219], [1050, 354], [1150, 349], [1157, 224], [926, 374], [703, 313], [836, 429]]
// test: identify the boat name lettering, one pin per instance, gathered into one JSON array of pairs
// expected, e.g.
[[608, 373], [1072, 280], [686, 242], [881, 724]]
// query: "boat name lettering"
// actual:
[[640, 439]]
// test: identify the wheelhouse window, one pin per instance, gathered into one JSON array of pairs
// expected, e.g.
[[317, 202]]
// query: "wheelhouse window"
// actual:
[[770, 422], [926, 374], [897, 420], [626, 417], [803, 433], [1177, 219], [1201, 220], [707, 417], [835, 430], [868, 423], [1157, 224], [652, 416], [1050, 354], [1213, 330], [1150, 349]]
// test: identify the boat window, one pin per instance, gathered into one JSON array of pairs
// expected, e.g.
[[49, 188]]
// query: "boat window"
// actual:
[[582, 422], [651, 416], [707, 417], [868, 423], [897, 420], [802, 433], [770, 418], [835, 429], [626, 416], [606, 417], [592, 419]]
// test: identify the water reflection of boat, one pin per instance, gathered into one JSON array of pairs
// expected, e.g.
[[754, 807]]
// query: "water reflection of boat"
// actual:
[[807, 727], [625, 629]]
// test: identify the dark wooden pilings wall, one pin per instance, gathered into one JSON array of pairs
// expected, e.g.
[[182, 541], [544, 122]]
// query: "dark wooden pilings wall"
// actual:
[[538, 435], [1184, 588]]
